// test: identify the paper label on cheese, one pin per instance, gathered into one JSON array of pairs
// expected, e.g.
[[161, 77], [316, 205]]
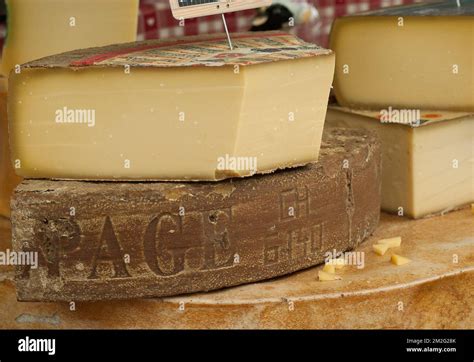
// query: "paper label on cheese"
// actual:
[[426, 117], [250, 49]]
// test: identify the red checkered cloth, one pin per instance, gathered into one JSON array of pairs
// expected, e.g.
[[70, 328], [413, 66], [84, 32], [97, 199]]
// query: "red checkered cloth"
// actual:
[[156, 20]]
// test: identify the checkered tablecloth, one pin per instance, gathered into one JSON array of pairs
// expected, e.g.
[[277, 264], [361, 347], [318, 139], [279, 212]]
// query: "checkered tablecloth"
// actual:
[[156, 20]]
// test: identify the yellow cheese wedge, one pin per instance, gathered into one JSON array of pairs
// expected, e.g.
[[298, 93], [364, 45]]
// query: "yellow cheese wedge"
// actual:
[[391, 242], [415, 56], [40, 28], [329, 268], [326, 277], [426, 169], [187, 109], [399, 260], [380, 249]]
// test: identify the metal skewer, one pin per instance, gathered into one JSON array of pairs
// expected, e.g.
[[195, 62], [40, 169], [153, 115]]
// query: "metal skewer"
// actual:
[[229, 40]]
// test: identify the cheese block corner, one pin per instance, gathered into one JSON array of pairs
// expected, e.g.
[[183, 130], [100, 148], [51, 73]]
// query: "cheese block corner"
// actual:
[[410, 56], [427, 169], [179, 109], [40, 28]]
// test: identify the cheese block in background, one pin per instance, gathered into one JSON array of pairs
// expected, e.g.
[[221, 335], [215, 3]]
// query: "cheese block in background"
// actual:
[[427, 167], [8, 178], [40, 28], [411, 56], [187, 109]]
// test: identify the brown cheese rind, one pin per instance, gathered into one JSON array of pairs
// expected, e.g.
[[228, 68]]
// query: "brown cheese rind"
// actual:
[[99, 241], [201, 50]]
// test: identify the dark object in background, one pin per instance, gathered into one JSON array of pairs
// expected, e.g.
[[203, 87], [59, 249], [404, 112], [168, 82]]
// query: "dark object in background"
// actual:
[[3, 10], [273, 17]]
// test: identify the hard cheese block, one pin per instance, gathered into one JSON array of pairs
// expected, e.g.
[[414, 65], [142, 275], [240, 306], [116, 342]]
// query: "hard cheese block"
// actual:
[[8, 178], [428, 168], [186, 109], [127, 240], [414, 56], [40, 28]]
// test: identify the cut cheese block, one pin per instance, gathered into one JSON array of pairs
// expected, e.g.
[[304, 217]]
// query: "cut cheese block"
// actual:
[[427, 169], [117, 240], [40, 28], [413, 56], [186, 109], [8, 178]]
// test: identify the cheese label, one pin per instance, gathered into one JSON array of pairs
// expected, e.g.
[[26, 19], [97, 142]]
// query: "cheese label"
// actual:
[[250, 49], [423, 118]]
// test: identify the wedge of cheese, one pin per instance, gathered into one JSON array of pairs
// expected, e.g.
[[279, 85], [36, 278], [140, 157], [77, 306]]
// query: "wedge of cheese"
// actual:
[[186, 109], [8, 179], [411, 56], [428, 166], [40, 28]]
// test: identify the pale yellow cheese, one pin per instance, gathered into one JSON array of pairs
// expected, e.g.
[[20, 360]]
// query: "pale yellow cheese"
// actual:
[[404, 61], [399, 260], [426, 170], [38, 28], [380, 249], [329, 268], [327, 277], [391, 242], [170, 123]]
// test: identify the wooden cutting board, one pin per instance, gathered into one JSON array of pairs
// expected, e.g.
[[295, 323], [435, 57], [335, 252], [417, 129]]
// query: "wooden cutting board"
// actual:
[[436, 290]]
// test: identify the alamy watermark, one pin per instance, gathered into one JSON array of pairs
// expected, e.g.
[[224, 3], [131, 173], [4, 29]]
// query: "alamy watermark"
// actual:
[[28, 344], [79, 116], [401, 116], [356, 258], [19, 258], [228, 162]]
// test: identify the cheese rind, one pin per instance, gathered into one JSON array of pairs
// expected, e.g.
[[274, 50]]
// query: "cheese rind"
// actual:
[[404, 60], [170, 116], [40, 28], [427, 169]]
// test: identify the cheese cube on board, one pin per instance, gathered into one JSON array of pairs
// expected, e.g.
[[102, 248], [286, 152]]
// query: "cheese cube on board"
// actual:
[[40, 28], [187, 109], [427, 169], [8, 179], [418, 55]]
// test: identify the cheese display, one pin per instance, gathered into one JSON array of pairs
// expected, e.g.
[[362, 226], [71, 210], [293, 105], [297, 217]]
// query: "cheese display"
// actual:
[[411, 56], [427, 163], [186, 109], [8, 178], [119, 240], [40, 28]]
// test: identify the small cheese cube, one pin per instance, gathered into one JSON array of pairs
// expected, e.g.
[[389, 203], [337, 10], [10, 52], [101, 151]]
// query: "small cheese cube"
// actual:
[[325, 277], [380, 249], [399, 260], [329, 268], [391, 242]]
